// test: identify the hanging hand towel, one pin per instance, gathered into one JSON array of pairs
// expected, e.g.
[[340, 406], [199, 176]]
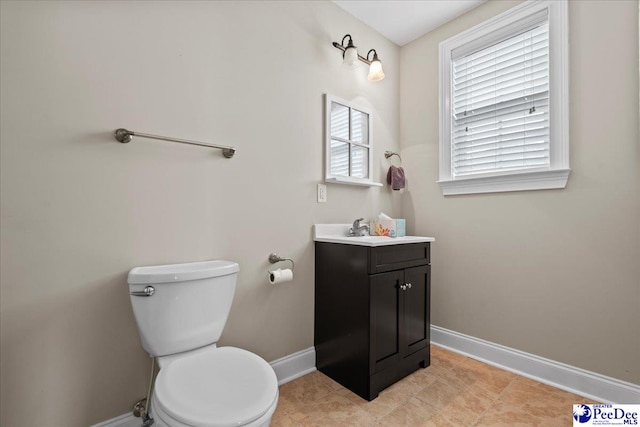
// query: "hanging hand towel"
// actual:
[[395, 177]]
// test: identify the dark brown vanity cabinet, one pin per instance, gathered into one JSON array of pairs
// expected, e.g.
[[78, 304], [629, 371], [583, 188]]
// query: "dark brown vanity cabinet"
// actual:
[[371, 313]]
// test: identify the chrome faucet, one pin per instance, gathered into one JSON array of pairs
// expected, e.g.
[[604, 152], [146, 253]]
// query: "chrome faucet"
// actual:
[[357, 229]]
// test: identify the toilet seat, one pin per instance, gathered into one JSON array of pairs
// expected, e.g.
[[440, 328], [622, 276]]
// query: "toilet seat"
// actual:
[[221, 387]]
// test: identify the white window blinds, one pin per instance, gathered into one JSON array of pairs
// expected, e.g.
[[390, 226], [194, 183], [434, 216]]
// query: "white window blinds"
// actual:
[[500, 105]]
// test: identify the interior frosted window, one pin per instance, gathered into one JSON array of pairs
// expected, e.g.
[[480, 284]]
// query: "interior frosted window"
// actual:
[[360, 162], [339, 121], [360, 127], [339, 158], [349, 142]]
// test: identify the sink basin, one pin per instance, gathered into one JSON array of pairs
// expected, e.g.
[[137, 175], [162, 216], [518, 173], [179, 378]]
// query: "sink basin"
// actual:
[[338, 233]]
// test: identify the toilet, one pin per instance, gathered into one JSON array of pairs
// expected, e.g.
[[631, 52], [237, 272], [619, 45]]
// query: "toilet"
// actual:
[[181, 310]]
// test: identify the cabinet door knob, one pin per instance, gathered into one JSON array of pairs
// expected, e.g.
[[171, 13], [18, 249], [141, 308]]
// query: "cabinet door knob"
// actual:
[[408, 285], [403, 287]]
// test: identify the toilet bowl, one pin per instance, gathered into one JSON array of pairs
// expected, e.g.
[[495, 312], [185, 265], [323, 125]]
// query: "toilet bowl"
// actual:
[[180, 320], [217, 387]]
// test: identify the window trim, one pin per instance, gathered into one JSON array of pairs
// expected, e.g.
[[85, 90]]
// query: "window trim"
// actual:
[[340, 179], [499, 28]]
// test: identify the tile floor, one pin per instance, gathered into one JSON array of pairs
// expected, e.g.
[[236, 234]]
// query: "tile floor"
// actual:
[[454, 391]]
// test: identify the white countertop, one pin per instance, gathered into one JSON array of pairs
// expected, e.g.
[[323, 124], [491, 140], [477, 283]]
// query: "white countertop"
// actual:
[[337, 233]]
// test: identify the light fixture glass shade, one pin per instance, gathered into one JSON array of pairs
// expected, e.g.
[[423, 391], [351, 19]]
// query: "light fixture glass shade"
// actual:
[[350, 61], [375, 71]]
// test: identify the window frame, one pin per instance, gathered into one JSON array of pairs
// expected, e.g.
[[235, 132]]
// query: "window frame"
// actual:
[[501, 27], [342, 179]]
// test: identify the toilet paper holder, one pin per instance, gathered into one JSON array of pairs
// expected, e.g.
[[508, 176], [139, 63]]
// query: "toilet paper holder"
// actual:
[[274, 257]]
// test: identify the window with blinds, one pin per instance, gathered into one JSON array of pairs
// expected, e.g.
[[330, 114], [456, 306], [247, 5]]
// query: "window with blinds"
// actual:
[[500, 106], [504, 102]]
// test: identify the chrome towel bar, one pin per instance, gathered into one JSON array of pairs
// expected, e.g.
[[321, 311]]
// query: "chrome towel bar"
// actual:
[[124, 136]]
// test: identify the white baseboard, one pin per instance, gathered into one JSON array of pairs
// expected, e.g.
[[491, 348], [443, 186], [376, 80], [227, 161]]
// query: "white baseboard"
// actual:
[[295, 365], [575, 380], [125, 420], [287, 369]]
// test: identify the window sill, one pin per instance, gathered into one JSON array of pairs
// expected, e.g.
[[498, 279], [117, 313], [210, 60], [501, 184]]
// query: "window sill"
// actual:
[[524, 181], [352, 181]]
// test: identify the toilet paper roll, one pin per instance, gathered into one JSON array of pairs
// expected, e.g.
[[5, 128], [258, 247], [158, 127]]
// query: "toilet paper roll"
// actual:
[[280, 275]]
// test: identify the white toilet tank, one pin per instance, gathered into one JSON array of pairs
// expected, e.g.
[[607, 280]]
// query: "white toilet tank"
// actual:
[[188, 307]]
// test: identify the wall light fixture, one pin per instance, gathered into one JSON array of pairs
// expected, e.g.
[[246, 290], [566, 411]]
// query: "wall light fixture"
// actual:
[[351, 57]]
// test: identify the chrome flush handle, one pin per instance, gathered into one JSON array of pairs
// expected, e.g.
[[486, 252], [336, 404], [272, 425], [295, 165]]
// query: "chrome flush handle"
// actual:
[[146, 292]]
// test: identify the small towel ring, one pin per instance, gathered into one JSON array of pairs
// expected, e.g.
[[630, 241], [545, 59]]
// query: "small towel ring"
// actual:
[[388, 154]]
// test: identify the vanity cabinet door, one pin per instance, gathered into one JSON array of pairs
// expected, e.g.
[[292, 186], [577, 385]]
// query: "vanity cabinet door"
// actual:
[[415, 309], [385, 320]]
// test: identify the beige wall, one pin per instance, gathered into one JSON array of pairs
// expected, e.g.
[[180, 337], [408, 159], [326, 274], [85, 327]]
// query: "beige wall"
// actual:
[[79, 209], [554, 273]]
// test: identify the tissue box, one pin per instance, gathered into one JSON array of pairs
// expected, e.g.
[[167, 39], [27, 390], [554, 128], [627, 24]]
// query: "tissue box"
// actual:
[[383, 227]]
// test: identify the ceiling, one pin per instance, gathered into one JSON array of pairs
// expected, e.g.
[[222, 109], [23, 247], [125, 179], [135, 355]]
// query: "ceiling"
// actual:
[[403, 21]]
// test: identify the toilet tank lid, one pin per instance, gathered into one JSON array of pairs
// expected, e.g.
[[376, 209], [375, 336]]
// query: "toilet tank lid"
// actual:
[[181, 272]]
